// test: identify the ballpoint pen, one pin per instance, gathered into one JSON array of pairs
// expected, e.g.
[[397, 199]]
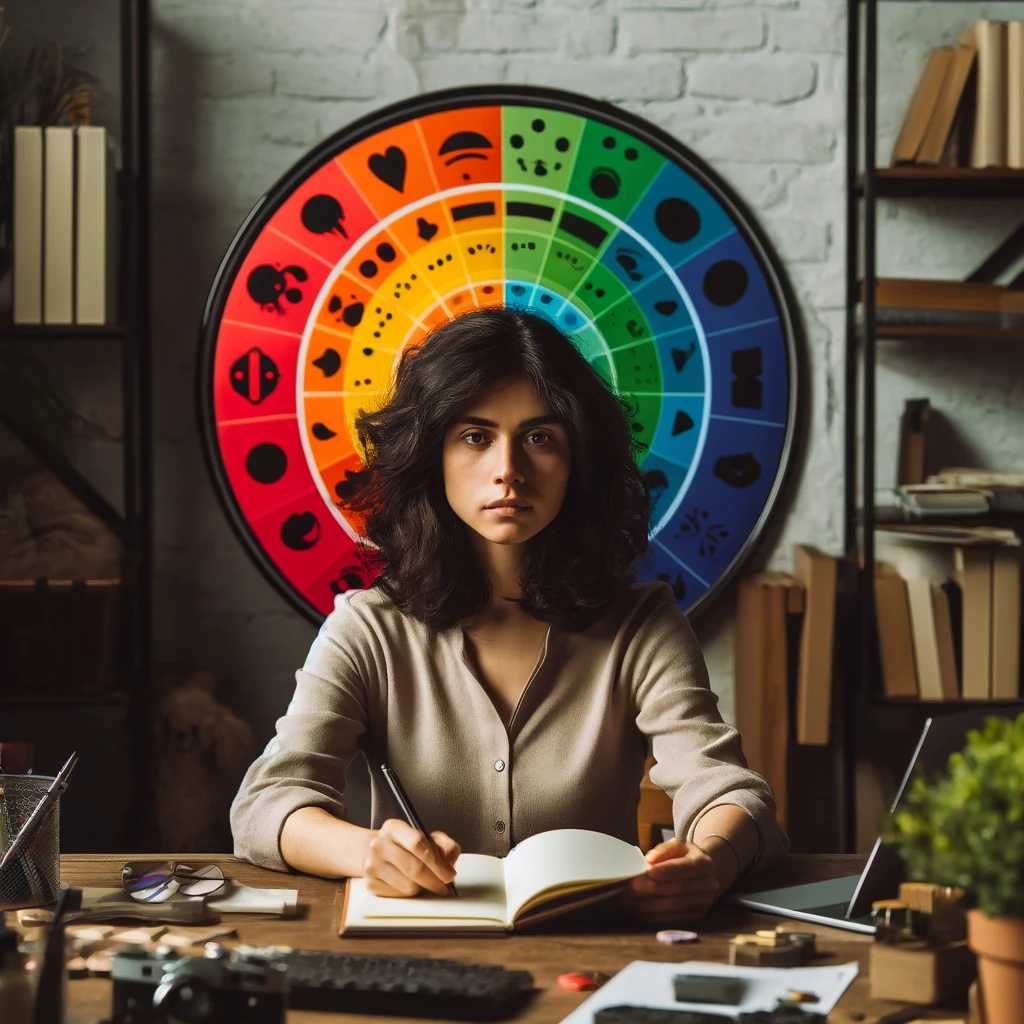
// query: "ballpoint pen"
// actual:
[[407, 808]]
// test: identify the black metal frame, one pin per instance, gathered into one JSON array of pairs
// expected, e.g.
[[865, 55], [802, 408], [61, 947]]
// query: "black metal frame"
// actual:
[[133, 526], [865, 184], [136, 622]]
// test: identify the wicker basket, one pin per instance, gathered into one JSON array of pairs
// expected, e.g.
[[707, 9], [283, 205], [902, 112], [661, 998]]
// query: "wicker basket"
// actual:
[[58, 637]]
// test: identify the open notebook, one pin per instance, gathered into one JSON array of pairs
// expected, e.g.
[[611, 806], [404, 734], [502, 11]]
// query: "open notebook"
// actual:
[[546, 875]]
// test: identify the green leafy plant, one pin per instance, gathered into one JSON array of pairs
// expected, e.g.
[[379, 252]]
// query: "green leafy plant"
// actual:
[[966, 827]]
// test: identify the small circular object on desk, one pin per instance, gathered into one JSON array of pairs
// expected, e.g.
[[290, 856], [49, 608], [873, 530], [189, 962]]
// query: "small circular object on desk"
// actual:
[[576, 982], [674, 937]]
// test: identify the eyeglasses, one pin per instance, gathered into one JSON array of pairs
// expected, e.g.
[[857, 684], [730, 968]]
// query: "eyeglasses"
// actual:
[[156, 882]]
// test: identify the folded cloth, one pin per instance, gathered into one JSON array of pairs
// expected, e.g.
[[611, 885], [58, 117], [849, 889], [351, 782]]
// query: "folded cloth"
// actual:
[[236, 898]]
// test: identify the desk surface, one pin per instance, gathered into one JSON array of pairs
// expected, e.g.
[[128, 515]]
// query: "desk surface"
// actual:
[[545, 955]]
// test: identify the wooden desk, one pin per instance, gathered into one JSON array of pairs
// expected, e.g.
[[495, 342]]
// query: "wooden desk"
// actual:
[[546, 953]]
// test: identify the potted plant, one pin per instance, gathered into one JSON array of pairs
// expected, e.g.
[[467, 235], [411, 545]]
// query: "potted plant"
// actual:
[[965, 828]]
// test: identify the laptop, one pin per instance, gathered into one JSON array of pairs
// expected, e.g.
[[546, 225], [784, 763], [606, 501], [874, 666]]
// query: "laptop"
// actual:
[[846, 902]]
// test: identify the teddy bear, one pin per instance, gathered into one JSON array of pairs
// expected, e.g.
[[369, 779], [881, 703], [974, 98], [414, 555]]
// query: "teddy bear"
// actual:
[[201, 751]]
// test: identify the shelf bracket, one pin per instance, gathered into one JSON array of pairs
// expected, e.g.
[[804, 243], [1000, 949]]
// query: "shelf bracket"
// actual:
[[1004, 257], [62, 468]]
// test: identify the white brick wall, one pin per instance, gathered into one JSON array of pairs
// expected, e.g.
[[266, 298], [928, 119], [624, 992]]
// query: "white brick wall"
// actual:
[[715, 31], [756, 87]]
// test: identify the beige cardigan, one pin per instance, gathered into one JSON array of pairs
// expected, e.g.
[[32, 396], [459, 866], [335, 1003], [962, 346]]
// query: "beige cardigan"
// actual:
[[383, 684]]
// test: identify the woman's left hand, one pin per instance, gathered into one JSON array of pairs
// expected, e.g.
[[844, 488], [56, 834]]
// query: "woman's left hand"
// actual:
[[679, 887]]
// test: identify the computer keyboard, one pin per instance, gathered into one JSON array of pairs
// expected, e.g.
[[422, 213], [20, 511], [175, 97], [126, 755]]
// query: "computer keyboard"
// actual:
[[404, 986]]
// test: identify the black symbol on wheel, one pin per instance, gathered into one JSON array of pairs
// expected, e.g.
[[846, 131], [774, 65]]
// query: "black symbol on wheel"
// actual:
[[738, 470], [352, 314], [389, 167], [323, 214], [351, 577], [747, 389], [300, 531], [710, 535], [726, 282], [266, 463], [354, 482], [329, 363], [254, 375], [677, 220], [267, 285]]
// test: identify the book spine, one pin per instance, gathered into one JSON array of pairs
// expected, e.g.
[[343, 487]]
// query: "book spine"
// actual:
[[926, 645], [989, 148], [58, 230], [28, 225], [1015, 94], [895, 637], [974, 571], [946, 645], [1006, 624], [92, 285], [817, 572]]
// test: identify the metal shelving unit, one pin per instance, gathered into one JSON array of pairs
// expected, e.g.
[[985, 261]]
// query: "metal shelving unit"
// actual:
[[866, 184], [133, 525]]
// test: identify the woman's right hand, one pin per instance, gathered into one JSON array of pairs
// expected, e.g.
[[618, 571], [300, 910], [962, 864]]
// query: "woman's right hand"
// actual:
[[401, 861]]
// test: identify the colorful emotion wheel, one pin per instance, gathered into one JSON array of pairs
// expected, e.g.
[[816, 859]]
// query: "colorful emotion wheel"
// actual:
[[536, 199]]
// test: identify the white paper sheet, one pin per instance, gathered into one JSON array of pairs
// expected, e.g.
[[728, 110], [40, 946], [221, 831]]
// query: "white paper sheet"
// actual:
[[645, 983]]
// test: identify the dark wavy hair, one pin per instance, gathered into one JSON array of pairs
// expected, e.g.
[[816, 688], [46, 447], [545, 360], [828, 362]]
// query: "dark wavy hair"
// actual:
[[574, 567]]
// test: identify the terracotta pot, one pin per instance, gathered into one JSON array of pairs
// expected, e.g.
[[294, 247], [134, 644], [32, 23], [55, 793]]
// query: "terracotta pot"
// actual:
[[999, 944]]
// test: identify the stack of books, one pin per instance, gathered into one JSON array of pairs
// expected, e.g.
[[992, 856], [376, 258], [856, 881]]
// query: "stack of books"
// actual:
[[968, 108], [948, 608], [64, 226], [793, 642]]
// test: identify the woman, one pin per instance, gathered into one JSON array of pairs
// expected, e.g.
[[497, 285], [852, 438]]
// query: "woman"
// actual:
[[505, 662]]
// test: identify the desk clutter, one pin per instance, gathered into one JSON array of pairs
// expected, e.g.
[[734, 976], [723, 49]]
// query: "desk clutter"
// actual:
[[171, 971], [921, 953], [695, 992]]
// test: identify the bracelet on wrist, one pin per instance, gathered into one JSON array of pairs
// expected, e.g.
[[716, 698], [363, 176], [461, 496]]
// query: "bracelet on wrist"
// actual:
[[718, 835]]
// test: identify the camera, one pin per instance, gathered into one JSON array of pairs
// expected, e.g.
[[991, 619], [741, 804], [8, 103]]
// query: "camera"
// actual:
[[163, 987]]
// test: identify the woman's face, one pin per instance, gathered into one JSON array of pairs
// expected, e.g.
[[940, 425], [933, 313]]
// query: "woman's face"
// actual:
[[508, 448]]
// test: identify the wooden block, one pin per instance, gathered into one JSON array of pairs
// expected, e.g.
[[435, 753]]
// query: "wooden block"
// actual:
[[916, 972], [817, 572], [772, 948], [946, 919], [761, 675]]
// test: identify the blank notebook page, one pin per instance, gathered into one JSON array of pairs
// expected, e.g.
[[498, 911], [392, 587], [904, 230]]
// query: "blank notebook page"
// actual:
[[481, 898], [566, 859]]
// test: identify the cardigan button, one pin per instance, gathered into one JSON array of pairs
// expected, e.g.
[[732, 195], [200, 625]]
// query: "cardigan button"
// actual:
[[499, 826], [499, 766]]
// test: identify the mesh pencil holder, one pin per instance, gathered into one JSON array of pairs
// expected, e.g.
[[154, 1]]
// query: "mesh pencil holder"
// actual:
[[32, 878]]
